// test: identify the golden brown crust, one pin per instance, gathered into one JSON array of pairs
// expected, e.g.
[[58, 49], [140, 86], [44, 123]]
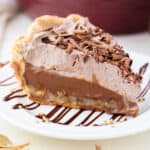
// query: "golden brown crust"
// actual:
[[78, 105]]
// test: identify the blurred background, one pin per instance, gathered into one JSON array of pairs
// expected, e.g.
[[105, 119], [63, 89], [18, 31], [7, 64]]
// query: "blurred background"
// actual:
[[114, 16], [128, 20]]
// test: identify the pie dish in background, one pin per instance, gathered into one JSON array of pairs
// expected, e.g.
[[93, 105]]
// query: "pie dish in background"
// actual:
[[117, 17]]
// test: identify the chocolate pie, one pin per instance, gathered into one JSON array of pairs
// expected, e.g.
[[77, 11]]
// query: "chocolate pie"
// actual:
[[71, 62]]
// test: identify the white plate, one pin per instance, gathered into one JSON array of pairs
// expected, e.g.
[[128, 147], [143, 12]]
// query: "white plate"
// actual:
[[26, 119]]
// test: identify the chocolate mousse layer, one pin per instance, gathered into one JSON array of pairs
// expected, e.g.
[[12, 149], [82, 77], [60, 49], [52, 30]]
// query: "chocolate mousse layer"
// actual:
[[77, 64], [69, 86]]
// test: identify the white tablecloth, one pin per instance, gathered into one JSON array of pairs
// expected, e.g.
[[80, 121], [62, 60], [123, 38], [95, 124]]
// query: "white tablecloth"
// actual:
[[136, 42]]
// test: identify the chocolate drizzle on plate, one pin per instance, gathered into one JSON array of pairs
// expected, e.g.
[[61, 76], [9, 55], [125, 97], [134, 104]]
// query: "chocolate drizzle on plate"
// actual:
[[147, 87], [118, 117], [86, 121], [143, 69], [62, 113], [71, 119], [94, 119], [5, 81], [14, 94], [145, 90], [2, 64], [30, 106], [86, 118], [112, 120]]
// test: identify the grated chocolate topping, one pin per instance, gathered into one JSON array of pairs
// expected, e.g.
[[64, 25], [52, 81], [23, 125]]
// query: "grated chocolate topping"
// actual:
[[93, 42]]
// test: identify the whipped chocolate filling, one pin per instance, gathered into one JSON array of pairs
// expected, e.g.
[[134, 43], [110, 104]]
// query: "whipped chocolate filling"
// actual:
[[69, 86], [91, 41]]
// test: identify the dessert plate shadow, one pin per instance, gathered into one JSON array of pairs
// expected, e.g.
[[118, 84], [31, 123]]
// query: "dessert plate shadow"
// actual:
[[74, 124]]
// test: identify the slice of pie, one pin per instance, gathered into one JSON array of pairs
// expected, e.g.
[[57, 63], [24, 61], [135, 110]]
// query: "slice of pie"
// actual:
[[70, 62]]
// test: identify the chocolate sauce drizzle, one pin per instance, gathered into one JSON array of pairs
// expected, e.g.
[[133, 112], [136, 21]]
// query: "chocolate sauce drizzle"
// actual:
[[30, 106], [13, 95], [53, 111], [145, 90], [86, 118], [64, 112], [113, 119], [60, 116], [147, 87], [85, 122], [71, 119], [118, 118], [94, 119], [2, 64], [143, 69], [4, 82]]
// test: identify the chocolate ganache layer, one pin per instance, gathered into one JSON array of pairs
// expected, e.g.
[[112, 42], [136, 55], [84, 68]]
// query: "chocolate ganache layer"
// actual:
[[79, 65]]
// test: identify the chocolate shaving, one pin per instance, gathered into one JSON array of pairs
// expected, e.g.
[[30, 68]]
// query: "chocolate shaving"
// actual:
[[75, 44], [58, 40], [45, 40], [116, 57], [79, 31], [70, 48], [97, 31], [65, 35]]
